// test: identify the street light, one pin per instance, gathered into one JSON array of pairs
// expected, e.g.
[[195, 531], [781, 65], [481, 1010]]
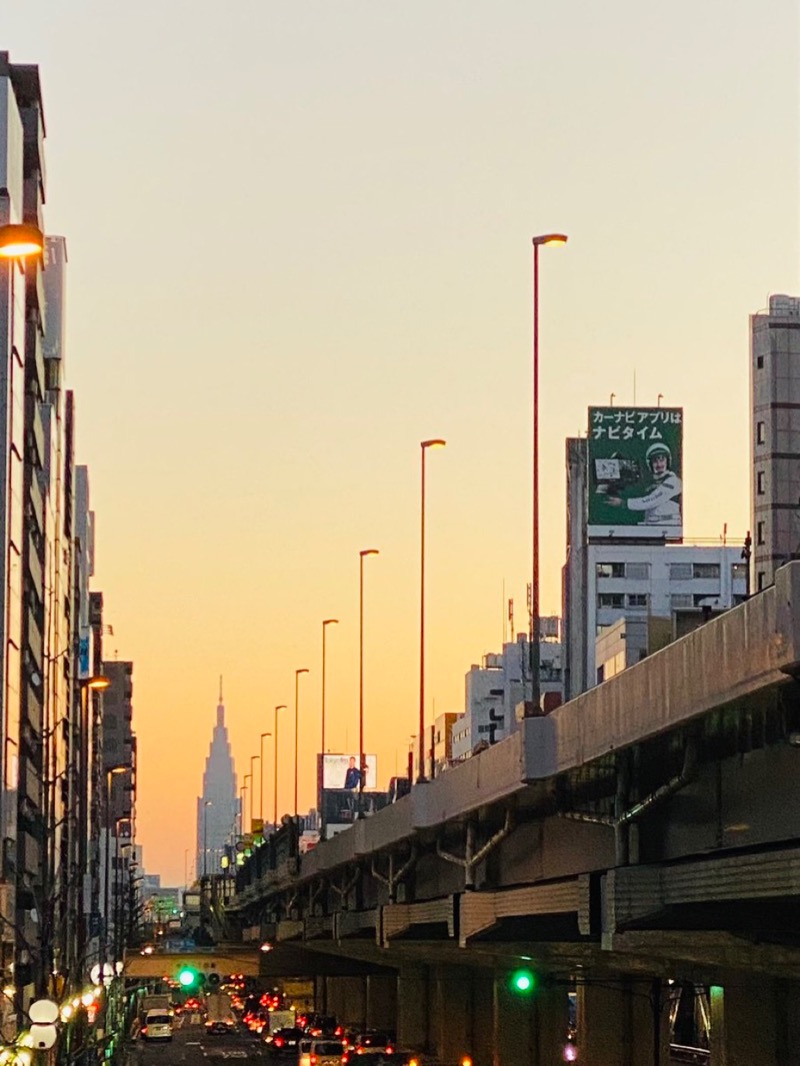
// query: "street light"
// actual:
[[280, 707], [18, 240], [253, 759], [111, 773], [297, 674], [546, 238], [206, 805], [327, 622], [424, 445], [247, 777], [261, 782], [362, 556]]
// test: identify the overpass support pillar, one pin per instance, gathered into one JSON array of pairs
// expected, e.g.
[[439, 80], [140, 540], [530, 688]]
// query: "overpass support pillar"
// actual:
[[346, 997], [623, 1023], [451, 1013], [381, 1006], [755, 1020], [529, 1029], [412, 1007]]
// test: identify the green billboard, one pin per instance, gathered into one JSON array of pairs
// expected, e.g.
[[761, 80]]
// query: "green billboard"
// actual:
[[635, 457]]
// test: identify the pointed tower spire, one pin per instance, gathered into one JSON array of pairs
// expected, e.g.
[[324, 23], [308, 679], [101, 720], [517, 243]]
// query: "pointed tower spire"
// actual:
[[220, 705]]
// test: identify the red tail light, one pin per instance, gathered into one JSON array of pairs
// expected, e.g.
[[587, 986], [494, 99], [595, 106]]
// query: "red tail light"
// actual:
[[278, 1041], [144, 1028], [338, 1031], [313, 1060]]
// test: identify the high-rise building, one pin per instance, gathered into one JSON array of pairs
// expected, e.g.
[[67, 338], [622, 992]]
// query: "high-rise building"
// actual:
[[119, 750], [22, 559], [775, 437], [218, 806]]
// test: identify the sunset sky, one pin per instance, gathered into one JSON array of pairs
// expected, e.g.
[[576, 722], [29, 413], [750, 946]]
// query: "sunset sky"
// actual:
[[299, 243]]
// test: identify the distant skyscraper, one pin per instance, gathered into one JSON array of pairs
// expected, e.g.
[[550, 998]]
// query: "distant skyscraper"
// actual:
[[775, 436], [217, 807]]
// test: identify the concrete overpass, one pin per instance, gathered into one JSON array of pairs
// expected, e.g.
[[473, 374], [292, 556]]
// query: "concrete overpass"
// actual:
[[646, 832]]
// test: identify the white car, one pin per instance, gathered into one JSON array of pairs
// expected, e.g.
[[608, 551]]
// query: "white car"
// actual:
[[157, 1025], [321, 1053]]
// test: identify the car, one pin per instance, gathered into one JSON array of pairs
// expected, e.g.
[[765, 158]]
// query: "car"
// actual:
[[157, 1025], [284, 1042], [372, 1039], [321, 1053], [378, 1056], [321, 1025]]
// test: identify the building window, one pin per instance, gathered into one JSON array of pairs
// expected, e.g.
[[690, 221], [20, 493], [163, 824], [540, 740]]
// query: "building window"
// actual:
[[611, 569], [760, 362], [760, 533], [739, 572], [701, 599], [760, 582], [705, 571], [761, 432], [637, 599], [637, 571], [681, 601], [680, 571], [611, 599], [761, 482]]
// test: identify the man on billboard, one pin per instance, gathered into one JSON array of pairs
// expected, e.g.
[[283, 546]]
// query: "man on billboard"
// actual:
[[352, 778], [662, 501]]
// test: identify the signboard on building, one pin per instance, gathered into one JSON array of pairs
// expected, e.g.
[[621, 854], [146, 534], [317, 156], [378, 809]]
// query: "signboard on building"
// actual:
[[341, 771], [635, 457]]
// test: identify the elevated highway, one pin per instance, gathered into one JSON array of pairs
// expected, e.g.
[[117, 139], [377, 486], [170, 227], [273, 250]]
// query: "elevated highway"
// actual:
[[647, 831]]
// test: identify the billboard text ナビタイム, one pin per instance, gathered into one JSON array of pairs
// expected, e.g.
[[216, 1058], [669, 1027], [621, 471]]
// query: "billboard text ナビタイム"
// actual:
[[635, 457]]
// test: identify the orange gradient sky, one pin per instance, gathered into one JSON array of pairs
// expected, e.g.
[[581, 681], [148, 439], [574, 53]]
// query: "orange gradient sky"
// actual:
[[299, 240]]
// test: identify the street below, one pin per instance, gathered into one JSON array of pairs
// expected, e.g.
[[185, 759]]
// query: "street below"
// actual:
[[194, 1047]]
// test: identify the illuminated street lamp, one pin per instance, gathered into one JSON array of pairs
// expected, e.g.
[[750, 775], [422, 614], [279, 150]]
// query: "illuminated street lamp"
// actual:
[[538, 242], [297, 674], [261, 782], [424, 445], [280, 707], [18, 240]]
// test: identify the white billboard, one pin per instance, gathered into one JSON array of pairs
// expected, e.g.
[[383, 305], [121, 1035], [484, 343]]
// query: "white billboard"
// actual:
[[341, 771]]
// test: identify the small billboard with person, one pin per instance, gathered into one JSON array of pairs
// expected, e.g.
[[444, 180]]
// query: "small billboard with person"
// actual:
[[635, 458], [341, 771]]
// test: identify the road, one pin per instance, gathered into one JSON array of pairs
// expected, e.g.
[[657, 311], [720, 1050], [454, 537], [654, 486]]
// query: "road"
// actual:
[[192, 1046]]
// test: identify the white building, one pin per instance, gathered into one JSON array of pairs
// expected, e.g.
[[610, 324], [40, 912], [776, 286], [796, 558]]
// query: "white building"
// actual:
[[775, 436], [641, 581], [494, 689]]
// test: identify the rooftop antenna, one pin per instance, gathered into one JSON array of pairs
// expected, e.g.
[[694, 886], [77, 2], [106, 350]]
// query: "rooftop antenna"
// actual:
[[611, 399], [660, 398], [511, 617], [220, 688]]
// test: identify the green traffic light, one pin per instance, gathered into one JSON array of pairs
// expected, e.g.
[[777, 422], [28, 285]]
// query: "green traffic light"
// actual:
[[187, 976], [523, 981]]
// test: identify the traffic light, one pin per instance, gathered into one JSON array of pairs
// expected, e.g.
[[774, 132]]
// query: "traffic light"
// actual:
[[212, 980], [188, 977], [523, 982]]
